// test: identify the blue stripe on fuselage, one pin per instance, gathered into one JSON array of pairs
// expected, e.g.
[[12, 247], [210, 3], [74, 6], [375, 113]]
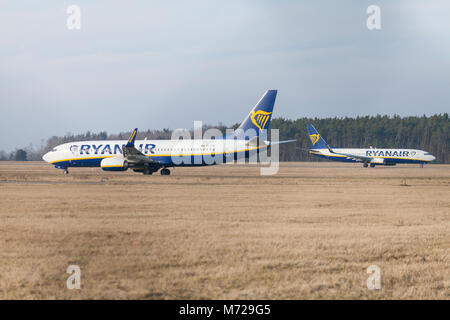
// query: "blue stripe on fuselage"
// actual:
[[341, 159], [389, 160], [189, 160]]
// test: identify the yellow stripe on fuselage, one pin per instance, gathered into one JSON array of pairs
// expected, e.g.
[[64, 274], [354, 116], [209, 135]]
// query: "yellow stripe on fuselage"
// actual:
[[339, 155], [163, 155]]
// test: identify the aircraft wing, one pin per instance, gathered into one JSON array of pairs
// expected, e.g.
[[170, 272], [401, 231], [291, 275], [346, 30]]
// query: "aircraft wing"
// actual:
[[349, 155], [132, 154]]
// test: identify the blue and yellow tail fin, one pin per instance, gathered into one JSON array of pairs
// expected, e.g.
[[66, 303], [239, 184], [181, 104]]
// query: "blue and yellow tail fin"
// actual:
[[258, 119], [317, 142]]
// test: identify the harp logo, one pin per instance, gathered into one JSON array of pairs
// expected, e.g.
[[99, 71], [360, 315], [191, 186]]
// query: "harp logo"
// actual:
[[260, 118], [314, 138]]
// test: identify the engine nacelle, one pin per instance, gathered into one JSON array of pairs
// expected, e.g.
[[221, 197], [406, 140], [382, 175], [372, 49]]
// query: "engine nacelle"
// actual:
[[114, 164], [377, 161]]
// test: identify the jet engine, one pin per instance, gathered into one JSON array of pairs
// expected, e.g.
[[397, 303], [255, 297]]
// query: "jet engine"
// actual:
[[114, 164], [377, 161], [381, 161]]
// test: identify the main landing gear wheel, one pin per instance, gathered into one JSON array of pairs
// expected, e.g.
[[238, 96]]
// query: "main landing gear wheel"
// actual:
[[147, 169], [66, 171], [165, 172], [365, 165], [372, 165]]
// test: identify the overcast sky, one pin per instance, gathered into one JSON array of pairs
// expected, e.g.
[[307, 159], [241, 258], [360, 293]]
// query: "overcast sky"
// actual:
[[164, 64]]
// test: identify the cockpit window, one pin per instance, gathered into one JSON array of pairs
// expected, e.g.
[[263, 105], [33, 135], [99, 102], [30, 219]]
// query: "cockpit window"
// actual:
[[427, 154], [53, 150]]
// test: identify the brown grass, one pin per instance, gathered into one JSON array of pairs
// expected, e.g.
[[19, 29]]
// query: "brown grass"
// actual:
[[225, 232]]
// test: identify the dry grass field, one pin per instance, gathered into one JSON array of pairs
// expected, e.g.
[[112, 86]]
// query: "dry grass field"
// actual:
[[225, 232]]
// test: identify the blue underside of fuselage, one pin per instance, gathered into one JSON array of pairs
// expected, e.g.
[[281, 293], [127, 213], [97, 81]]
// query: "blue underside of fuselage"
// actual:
[[164, 161], [388, 160]]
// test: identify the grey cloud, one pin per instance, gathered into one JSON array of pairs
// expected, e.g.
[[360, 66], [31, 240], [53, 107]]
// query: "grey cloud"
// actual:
[[157, 64]]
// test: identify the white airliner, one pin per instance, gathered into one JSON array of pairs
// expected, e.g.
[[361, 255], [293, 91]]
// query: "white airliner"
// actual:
[[148, 156], [372, 156]]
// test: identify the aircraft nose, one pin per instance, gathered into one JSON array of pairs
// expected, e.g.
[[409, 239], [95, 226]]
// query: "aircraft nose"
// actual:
[[46, 157], [433, 158]]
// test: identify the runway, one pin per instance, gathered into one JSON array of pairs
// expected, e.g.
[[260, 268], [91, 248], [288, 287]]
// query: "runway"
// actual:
[[225, 232]]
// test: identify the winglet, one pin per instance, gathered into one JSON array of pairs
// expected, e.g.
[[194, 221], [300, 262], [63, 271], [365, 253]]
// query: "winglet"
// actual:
[[132, 138], [329, 149]]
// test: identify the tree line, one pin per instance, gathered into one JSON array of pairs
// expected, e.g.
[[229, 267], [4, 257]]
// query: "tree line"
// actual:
[[425, 133]]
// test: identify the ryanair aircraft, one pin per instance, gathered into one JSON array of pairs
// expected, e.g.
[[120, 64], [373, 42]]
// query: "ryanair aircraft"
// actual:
[[371, 156], [148, 156]]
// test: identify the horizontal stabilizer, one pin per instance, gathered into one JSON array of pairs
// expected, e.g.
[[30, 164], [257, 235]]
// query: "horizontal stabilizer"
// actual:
[[281, 142]]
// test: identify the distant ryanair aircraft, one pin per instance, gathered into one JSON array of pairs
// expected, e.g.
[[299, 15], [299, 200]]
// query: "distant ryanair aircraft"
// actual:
[[371, 156], [149, 156]]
